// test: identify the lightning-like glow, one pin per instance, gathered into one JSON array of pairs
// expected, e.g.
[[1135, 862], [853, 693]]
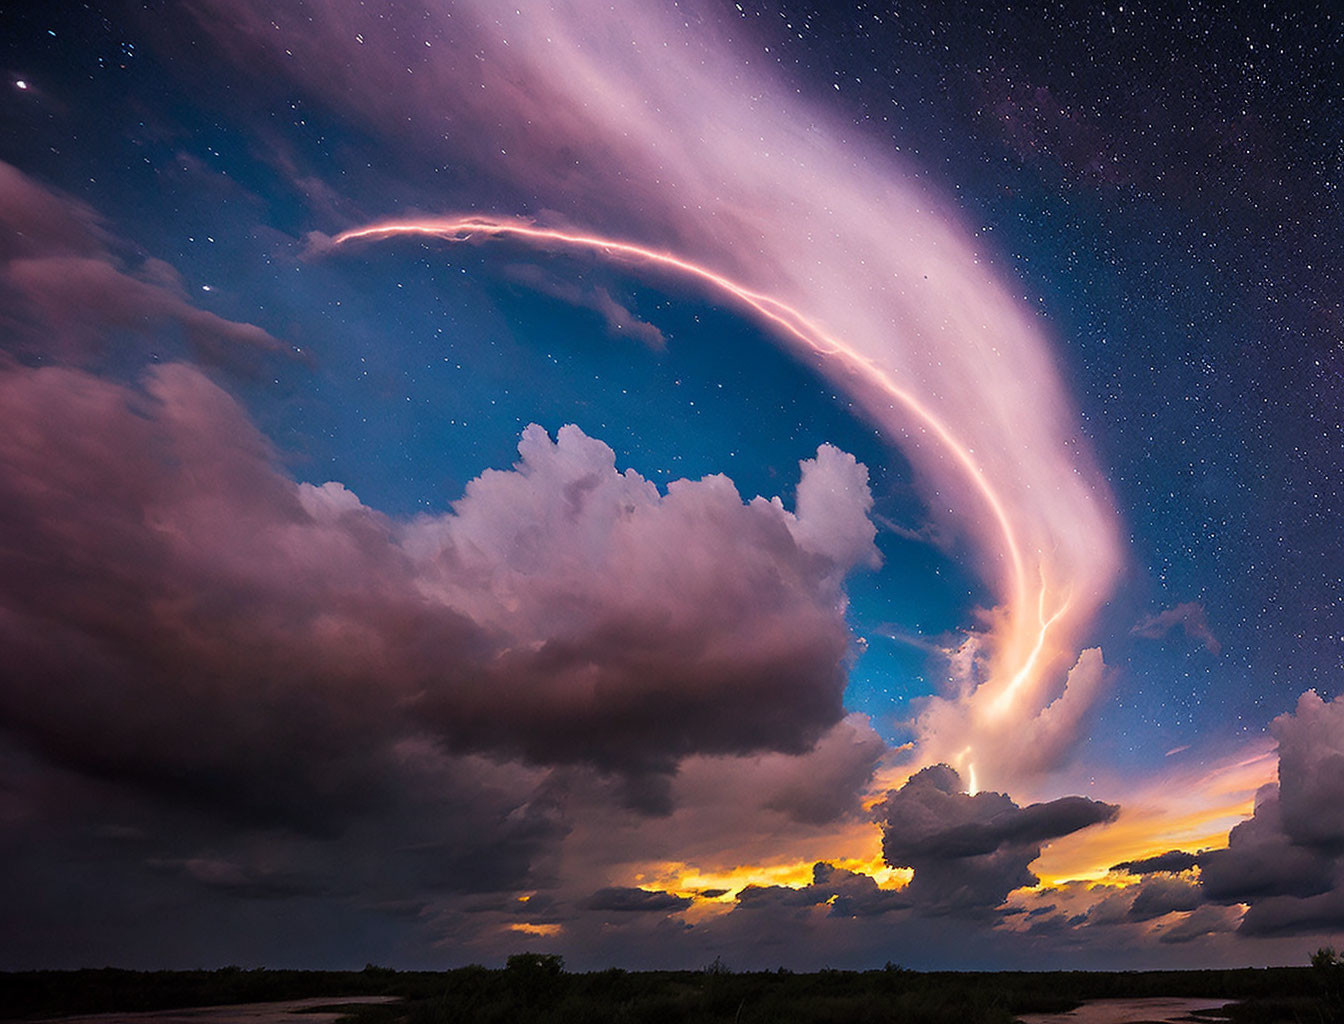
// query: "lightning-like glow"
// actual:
[[1023, 645], [1003, 703], [793, 322], [618, 112]]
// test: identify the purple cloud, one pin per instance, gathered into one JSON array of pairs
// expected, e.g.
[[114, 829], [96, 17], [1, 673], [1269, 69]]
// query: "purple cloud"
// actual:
[[65, 292], [1287, 859], [1189, 616], [185, 612], [970, 851]]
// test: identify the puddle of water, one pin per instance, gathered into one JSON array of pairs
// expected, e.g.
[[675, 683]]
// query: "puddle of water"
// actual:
[[1160, 1009], [290, 1011]]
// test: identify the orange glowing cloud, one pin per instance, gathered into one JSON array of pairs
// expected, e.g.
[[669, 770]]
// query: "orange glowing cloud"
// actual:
[[541, 930], [724, 883], [1190, 810]]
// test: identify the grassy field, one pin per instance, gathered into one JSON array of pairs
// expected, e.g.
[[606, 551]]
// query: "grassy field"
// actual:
[[535, 988]]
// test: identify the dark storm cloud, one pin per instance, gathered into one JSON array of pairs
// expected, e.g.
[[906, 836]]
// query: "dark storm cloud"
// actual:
[[1287, 860], [1311, 772], [1284, 915], [184, 616], [502, 851], [64, 292], [755, 897], [255, 667], [1189, 616], [1033, 824], [1207, 920], [1172, 861], [827, 784], [247, 881], [84, 857], [1261, 860], [968, 852], [1162, 895], [636, 628], [850, 894], [637, 901], [1111, 909], [854, 894]]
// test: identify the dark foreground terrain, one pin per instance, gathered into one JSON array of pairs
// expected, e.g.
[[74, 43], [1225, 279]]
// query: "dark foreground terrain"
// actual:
[[535, 988]]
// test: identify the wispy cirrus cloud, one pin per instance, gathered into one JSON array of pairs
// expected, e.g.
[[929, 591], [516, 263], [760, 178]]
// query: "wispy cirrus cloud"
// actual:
[[1189, 616], [66, 293]]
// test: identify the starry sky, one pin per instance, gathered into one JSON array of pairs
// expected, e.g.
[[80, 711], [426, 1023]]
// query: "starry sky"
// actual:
[[810, 485]]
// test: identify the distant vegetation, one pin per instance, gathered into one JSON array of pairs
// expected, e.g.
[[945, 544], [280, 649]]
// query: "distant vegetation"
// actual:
[[535, 989], [1328, 967]]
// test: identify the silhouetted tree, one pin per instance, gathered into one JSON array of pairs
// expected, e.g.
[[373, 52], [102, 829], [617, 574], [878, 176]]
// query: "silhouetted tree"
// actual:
[[535, 977], [1328, 967]]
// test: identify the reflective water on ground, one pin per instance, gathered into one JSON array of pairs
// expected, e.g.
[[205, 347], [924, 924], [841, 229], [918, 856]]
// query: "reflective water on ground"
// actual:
[[1127, 1011], [290, 1011]]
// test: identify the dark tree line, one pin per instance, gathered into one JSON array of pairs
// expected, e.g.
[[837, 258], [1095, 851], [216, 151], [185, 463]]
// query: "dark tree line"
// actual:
[[534, 988]]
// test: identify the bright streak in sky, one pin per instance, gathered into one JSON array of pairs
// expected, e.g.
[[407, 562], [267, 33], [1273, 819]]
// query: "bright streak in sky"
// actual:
[[1030, 615], [834, 244]]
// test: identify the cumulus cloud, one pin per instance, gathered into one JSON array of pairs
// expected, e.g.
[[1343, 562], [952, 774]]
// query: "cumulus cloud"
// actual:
[[968, 852], [220, 652], [1311, 772], [854, 894], [1261, 860], [967, 386], [631, 627], [849, 894], [183, 612], [833, 510], [1011, 747], [1206, 920], [1189, 616], [1287, 860], [1162, 895]]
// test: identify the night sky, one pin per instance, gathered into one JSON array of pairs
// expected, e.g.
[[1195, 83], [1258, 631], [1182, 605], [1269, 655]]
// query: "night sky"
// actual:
[[386, 391]]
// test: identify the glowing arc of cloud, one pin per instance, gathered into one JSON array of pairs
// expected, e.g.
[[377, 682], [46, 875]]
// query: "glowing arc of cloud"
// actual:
[[794, 322], [801, 328]]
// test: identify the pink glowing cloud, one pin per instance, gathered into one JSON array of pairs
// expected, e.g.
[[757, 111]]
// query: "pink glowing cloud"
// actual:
[[715, 169], [224, 667], [183, 589], [64, 289], [1189, 616]]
